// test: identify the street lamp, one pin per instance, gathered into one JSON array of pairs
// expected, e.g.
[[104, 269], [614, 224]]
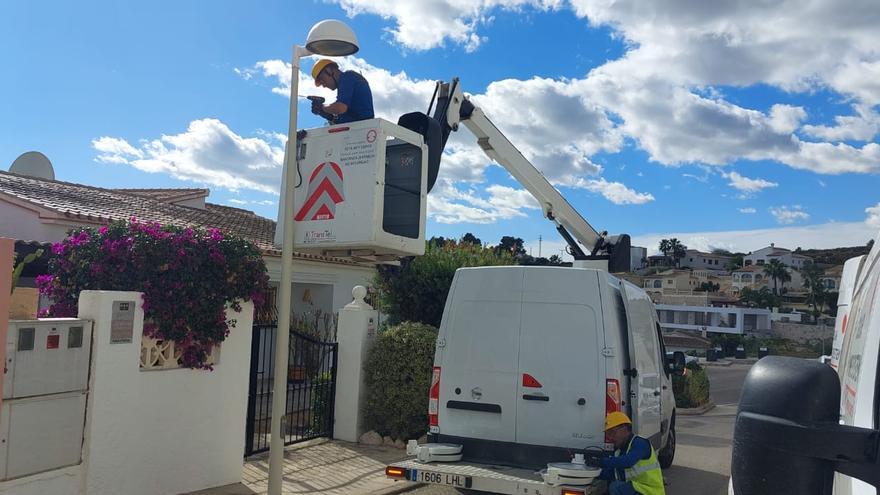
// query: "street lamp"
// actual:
[[334, 39]]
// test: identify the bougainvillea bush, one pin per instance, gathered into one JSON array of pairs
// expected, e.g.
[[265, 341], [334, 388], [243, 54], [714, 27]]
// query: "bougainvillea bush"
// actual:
[[187, 277]]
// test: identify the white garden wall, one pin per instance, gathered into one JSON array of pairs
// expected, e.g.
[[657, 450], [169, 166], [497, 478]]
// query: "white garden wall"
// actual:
[[153, 432]]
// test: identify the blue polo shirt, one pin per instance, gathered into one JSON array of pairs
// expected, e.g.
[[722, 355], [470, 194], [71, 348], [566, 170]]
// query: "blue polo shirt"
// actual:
[[353, 90]]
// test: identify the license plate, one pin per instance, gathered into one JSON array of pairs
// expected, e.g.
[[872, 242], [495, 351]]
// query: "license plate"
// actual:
[[456, 480]]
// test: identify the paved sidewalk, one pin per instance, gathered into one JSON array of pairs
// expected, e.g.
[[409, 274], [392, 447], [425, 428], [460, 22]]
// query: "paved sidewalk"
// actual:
[[324, 466]]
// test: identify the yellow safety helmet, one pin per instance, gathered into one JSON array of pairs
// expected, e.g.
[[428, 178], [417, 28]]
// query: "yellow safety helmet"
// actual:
[[319, 66], [616, 419]]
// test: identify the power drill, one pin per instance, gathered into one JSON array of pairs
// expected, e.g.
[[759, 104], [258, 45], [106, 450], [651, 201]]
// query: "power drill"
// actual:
[[318, 108]]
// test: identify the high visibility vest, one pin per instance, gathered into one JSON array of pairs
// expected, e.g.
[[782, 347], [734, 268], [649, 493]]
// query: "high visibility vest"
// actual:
[[645, 475]]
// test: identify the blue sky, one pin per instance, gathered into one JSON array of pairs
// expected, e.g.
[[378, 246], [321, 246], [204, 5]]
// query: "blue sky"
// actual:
[[654, 118]]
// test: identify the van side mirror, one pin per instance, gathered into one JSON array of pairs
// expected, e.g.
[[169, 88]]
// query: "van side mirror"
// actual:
[[675, 362], [787, 438]]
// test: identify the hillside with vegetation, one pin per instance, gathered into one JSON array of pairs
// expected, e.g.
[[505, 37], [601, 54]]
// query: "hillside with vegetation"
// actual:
[[834, 256]]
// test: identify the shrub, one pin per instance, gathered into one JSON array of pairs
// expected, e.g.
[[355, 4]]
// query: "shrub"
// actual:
[[187, 276], [417, 289], [398, 376], [321, 400], [692, 388]]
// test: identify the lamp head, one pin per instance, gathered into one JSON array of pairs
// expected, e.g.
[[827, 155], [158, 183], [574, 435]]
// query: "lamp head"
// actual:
[[332, 38]]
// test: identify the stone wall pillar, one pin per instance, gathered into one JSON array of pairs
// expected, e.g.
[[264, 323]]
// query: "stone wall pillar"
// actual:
[[355, 335]]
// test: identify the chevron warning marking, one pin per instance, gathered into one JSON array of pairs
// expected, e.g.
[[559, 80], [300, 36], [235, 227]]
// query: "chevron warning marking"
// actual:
[[325, 192]]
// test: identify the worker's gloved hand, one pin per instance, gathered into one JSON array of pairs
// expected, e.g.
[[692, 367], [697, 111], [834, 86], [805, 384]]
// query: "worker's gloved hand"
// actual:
[[317, 107], [593, 458]]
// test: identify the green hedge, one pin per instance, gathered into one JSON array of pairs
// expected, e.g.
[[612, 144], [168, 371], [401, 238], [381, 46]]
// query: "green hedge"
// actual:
[[398, 376], [692, 388]]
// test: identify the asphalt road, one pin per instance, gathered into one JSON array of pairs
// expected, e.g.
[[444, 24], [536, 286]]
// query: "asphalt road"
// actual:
[[702, 458]]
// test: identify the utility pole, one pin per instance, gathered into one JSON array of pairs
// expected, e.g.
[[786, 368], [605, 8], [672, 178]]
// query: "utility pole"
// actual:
[[539, 246]]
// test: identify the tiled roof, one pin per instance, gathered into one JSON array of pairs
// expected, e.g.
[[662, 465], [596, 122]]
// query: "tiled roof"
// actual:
[[751, 268], [686, 340], [167, 195], [96, 205]]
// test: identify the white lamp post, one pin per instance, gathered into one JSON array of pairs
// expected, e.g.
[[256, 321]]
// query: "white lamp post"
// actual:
[[330, 38]]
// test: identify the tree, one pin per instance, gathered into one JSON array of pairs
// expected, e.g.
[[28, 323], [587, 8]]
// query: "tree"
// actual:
[[708, 287], [870, 245], [512, 245], [438, 241], [555, 260], [679, 251], [417, 289], [761, 298], [471, 239], [812, 275], [665, 247], [778, 271]]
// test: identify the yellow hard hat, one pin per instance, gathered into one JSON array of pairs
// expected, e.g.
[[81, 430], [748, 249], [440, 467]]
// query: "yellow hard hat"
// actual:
[[616, 419], [319, 66]]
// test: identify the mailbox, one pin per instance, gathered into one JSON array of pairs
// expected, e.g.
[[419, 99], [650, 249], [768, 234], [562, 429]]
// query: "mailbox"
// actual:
[[360, 191], [44, 395]]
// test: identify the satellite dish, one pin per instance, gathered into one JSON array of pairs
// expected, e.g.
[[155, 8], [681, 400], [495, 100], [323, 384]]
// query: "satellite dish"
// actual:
[[33, 164]]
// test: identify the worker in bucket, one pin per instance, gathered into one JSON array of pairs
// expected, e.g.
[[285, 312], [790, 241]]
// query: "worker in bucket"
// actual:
[[354, 99], [633, 469]]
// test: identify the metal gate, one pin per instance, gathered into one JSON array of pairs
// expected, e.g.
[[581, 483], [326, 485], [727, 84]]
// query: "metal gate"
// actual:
[[311, 389]]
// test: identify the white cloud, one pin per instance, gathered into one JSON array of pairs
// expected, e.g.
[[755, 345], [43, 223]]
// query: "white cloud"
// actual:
[[860, 127], [747, 185], [450, 204], [114, 150], [208, 152], [429, 23], [785, 119], [549, 121], [873, 219], [615, 192], [663, 88], [748, 210], [787, 215]]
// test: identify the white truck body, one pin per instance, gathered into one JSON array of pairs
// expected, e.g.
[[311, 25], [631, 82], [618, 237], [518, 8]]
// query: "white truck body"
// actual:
[[525, 356], [856, 349], [858, 358]]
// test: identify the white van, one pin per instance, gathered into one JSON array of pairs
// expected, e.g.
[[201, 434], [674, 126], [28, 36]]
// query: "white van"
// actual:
[[529, 361], [801, 427]]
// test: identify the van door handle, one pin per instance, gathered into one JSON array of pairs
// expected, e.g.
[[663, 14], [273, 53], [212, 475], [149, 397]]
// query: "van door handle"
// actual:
[[543, 398], [656, 393]]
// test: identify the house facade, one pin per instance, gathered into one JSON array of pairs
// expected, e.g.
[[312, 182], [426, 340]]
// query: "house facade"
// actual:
[[763, 256], [699, 260], [673, 282]]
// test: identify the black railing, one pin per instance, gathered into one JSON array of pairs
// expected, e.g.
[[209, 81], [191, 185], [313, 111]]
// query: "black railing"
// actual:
[[311, 389]]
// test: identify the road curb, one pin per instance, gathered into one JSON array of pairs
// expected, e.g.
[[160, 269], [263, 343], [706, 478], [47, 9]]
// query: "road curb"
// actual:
[[717, 363], [695, 411]]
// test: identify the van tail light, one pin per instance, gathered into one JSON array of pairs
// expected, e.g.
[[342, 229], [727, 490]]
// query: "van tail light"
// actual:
[[612, 400], [395, 472], [434, 399], [612, 396]]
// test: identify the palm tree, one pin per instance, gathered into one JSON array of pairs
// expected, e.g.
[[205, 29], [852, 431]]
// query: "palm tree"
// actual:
[[813, 282], [778, 271], [679, 251], [665, 248]]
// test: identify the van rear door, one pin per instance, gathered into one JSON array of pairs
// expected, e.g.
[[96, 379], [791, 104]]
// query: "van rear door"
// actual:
[[477, 353], [644, 358], [560, 386]]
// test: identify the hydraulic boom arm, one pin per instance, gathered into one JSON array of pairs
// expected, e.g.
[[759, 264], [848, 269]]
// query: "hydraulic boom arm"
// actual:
[[584, 241]]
